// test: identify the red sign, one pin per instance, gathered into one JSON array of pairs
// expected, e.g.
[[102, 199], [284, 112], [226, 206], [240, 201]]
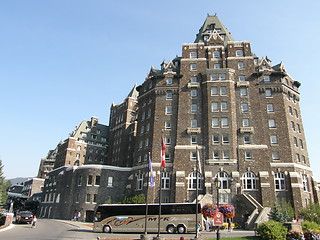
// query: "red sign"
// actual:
[[218, 219]]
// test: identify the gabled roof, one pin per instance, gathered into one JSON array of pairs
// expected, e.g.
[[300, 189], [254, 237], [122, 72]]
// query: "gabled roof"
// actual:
[[213, 23], [133, 93]]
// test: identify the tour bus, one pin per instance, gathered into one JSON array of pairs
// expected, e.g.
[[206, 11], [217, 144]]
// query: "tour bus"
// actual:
[[175, 217]]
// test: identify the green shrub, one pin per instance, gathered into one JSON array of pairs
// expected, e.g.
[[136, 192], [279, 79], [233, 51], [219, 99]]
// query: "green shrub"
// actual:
[[311, 213], [272, 230], [306, 225]]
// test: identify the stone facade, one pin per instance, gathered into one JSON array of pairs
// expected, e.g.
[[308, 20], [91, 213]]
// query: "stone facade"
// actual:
[[225, 115]]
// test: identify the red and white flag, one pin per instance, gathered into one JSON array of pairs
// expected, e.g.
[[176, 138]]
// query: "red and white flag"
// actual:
[[163, 154]]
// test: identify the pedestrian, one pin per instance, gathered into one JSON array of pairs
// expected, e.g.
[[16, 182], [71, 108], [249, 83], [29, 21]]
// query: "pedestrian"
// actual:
[[79, 216], [33, 222], [229, 224]]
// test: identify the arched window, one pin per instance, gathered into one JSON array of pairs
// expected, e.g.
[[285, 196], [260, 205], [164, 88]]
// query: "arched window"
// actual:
[[223, 177], [249, 181], [279, 181], [193, 179]]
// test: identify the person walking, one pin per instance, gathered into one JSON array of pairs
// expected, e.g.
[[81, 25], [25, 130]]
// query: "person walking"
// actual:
[[33, 222]]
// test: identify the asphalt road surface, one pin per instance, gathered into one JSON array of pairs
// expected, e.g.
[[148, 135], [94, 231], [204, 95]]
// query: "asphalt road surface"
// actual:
[[50, 229]]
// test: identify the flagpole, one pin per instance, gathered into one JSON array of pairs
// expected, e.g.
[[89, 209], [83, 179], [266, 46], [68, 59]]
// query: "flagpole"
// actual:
[[148, 176], [197, 192], [160, 187]]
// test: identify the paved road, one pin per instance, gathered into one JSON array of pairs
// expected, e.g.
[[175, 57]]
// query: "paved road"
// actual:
[[49, 229]]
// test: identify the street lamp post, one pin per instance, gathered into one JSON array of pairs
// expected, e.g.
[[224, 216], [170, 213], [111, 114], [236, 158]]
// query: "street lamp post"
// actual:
[[218, 183]]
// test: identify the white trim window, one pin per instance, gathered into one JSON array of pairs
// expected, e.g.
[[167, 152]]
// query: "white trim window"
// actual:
[[193, 66], [272, 123], [249, 181], [223, 177], [165, 180], [244, 107], [279, 181], [194, 108], [270, 107], [139, 182], [305, 183], [273, 139], [193, 55], [239, 53], [169, 81], [168, 110], [194, 178]]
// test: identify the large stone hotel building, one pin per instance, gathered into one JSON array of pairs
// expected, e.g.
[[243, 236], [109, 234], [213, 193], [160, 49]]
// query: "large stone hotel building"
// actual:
[[217, 105]]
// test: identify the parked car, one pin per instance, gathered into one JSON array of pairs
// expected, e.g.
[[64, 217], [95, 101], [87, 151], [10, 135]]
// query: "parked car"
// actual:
[[24, 217]]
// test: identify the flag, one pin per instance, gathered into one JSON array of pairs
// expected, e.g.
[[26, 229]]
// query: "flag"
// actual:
[[163, 154], [151, 173], [199, 161]]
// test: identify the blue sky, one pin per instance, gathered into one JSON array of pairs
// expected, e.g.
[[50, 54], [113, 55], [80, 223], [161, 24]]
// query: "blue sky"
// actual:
[[64, 61]]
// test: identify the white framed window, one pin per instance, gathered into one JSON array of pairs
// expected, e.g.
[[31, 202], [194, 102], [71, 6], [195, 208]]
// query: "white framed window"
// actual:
[[216, 54], [169, 81], [224, 106], [243, 92], [223, 178], [279, 181], [275, 156], [214, 91], [193, 79], [194, 180], [169, 95], [168, 110], [222, 76], [266, 78], [88, 198], [139, 182], [301, 143], [242, 78], [245, 122], [305, 183], [193, 54], [90, 180], [168, 125], [193, 66], [248, 155], [194, 108], [224, 122], [268, 92], [216, 66], [215, 139], [270, 108], [194, 139], [165, 180], [216, 155], [194, 123], [244, 107], [97, 181], [240, 65], [213, 77], [223, 91], [193, 156], [215, 122], [193, 93], [110, 181], [249, 181], [273, 139], [246, 139], [167, 140], [214, 106], [225, 138], [272, 123], [225, 154], [239, 53]]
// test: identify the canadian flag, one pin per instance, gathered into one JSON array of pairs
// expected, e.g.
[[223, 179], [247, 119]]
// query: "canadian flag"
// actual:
[[163, 154]]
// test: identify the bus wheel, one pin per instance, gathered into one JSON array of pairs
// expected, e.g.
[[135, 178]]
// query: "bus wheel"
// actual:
[[107, 229], [171, 229], [181, 229]]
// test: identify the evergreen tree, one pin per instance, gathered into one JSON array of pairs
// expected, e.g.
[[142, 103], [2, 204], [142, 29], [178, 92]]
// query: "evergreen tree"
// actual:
[[282, 212], [3, 186]]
